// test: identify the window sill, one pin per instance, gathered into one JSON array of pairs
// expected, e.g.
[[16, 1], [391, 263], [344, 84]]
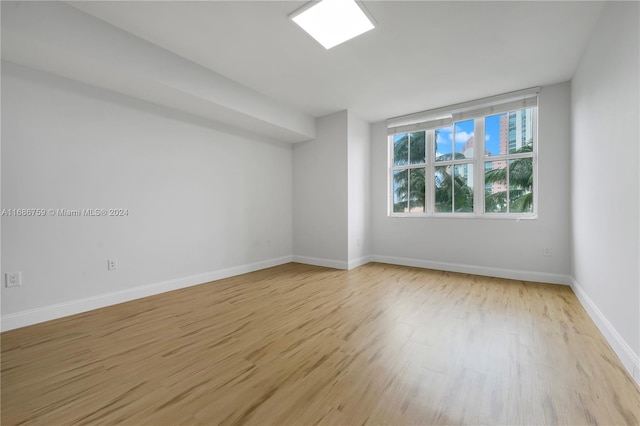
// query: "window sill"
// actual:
[[494, 216]]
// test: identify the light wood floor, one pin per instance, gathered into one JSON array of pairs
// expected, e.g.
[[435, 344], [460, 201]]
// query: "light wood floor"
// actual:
[[298, 345]]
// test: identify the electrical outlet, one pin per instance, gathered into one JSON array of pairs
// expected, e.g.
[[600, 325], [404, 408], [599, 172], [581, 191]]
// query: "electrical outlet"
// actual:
[[111, 265], [546, 252], [13, 279]]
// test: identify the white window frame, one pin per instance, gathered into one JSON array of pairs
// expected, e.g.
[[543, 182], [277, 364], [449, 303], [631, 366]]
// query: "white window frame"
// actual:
[[478, 111]]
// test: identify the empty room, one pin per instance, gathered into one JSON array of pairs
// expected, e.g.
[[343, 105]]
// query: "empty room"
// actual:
[[331, 212]]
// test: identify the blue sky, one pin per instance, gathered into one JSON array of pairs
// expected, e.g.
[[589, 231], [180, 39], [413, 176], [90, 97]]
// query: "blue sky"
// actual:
[[464, 130], [492, 134]]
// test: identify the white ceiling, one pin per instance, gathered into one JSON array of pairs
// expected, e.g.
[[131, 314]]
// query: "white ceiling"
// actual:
[[423, 54]]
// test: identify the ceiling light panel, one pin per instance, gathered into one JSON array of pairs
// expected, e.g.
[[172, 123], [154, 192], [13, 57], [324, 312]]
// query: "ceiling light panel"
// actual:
[[332, 22]]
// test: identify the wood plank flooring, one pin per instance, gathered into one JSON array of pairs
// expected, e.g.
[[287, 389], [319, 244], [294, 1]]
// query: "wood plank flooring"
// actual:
[[303, 345]]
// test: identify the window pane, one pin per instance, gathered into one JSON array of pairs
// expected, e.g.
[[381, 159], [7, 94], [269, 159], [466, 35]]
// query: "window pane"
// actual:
[[496, 135], [521, 185], [520, 133], [463, 188], [416, 191], [400, 149], [443, 190], [495, 186], [464, 140], [417, 145], [400, 190], [444, 143]]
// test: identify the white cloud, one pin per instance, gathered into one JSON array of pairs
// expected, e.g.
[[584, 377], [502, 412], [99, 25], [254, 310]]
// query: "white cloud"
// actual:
[[487, 137], [444, 139], [462, 137]]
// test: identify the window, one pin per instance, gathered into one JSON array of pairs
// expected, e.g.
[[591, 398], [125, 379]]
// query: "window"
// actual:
[[409, 157], [453, 175], [508, 166], [471, 161]]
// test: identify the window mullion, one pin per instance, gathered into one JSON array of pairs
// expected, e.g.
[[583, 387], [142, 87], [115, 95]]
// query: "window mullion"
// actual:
[[429, 196], [508, 189], [392, 168], [409, 189], [512, 156], [478, 172], [453, 183], [534, 136]]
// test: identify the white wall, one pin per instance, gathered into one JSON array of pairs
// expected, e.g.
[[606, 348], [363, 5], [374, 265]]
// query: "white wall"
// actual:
[[504, 248], [320, 194], [331, 193], [359, 188], [605, 180], [203, 202]]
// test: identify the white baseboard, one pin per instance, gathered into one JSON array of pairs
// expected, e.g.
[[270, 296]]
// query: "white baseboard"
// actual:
[[318, 261], [513, 274], [46, 313], [332, 263], [629, 359], [358, 262]]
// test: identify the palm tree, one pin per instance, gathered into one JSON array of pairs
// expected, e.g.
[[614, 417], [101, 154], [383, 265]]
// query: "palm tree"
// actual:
[[520, 185], [409, 184], [410, 143], [452, 193]]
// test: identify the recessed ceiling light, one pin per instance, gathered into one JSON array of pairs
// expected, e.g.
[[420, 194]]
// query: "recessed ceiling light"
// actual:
[[332, 22]]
